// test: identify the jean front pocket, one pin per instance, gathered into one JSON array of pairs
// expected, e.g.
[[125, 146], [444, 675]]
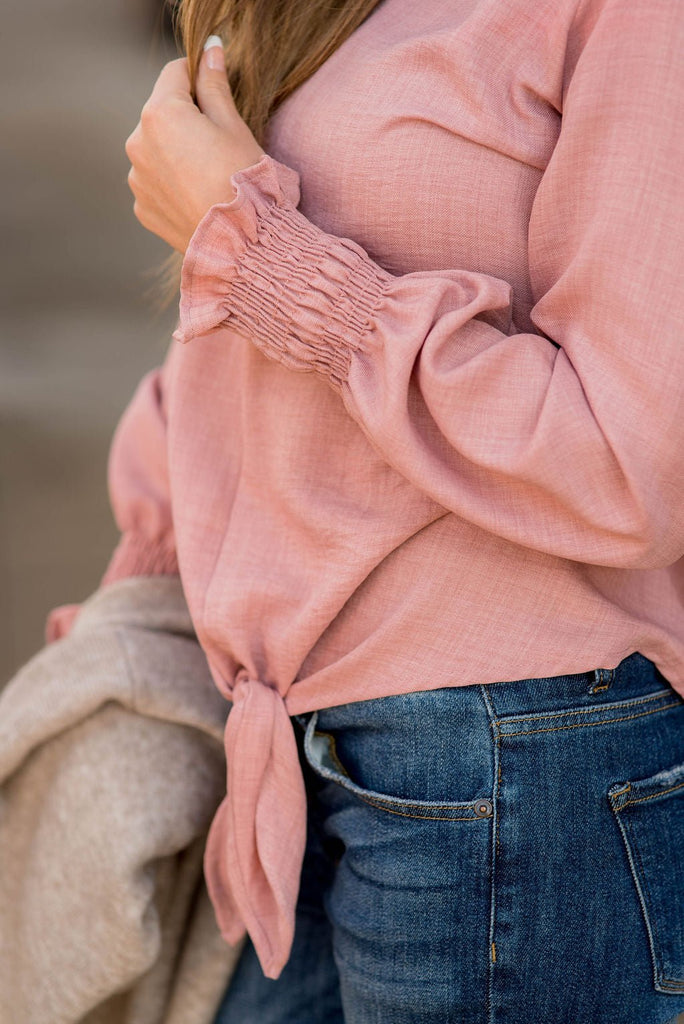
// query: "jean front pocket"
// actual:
[[321, 754], [650, 814]]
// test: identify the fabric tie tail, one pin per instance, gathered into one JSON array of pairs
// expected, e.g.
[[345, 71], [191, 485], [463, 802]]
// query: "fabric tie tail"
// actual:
[[255, 847]]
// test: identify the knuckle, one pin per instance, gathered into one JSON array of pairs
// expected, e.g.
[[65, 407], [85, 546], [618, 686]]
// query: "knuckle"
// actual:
[[149, 113], [130, 146], [171, 69]]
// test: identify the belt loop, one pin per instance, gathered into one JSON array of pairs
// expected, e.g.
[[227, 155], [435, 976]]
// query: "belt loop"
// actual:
[[603, 677]]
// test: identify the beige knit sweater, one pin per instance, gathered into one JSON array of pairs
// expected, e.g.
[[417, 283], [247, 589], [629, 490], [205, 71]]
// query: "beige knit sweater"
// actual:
[[111, 769]]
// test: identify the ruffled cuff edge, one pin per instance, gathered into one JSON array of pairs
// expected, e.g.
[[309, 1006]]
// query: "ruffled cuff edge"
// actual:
[[257, 265], [222, 235]]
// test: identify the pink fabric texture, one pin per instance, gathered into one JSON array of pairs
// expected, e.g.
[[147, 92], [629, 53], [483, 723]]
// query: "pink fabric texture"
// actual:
[[59, 622], [424, 426]]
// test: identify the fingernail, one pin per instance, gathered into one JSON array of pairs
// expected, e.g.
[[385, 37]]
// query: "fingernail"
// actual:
[[215, 58]]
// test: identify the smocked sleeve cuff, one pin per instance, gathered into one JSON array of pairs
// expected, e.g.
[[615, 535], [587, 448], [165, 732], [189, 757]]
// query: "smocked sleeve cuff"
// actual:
[[257, 265], [136, 555]]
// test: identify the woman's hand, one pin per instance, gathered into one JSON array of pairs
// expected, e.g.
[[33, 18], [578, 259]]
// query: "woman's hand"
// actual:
[[183, 155]]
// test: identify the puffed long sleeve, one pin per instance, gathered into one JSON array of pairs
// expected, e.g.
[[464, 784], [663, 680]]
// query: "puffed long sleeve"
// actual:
[[570, 440], [140, 498], [139, 487]]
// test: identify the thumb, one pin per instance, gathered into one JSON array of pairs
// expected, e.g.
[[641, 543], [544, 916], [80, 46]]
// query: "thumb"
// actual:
[[214, 97]]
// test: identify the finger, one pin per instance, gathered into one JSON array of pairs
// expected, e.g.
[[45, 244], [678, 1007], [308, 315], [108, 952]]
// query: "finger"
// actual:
[[214, 97], [173, 81], [132, 142]]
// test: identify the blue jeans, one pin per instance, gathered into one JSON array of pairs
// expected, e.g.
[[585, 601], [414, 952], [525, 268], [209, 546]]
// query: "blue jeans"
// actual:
[[510, 852]]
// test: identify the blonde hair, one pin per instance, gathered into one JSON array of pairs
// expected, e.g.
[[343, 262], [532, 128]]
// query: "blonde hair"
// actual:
[[271, 47]]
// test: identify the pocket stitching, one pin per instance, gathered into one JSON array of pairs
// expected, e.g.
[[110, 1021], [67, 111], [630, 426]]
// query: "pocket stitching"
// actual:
[[651, 921], [425, 817], [587, 725], [653, 796], [661, 982], [640, 895], [390, 804], [614, 705]]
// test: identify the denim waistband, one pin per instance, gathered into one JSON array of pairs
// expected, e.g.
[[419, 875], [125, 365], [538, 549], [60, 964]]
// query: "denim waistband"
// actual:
[[635, 676]]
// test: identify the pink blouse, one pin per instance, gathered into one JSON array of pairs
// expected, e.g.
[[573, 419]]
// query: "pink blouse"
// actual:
[[422, 424]]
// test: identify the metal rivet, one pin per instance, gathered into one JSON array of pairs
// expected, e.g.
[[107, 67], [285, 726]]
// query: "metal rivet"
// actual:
[[483, 808]]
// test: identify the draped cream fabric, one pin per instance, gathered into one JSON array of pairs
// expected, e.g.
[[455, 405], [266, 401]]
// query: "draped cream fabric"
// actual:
[[111, 767]]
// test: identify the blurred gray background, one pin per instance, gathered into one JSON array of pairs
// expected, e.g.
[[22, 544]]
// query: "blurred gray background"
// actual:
[[77, 329]]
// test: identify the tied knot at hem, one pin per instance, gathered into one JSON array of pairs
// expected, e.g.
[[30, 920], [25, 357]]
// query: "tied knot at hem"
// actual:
[[255, 847]]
